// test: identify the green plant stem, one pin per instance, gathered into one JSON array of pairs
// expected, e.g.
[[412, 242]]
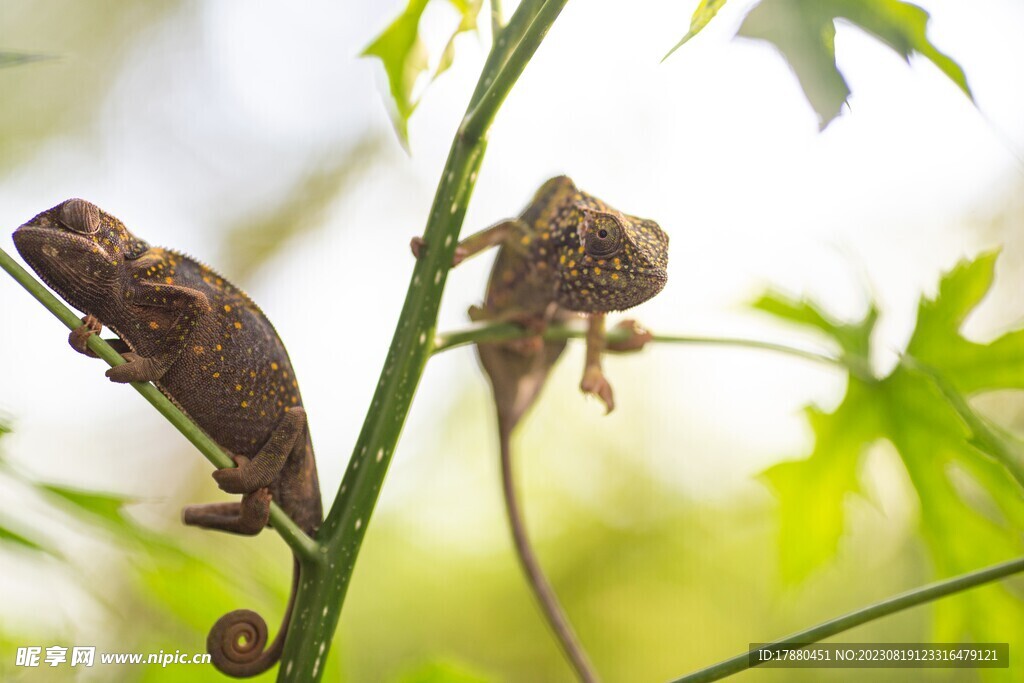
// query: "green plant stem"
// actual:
[[912, 598], [303, 546], [322, 590], [497, 22], [489, 332], [480, 117]]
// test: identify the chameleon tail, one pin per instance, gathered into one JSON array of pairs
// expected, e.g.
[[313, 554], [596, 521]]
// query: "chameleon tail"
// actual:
[[236, 642], [543, 591]]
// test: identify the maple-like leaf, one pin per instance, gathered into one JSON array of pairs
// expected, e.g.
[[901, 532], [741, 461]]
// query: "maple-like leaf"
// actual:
[[804, 32], [961, 465]]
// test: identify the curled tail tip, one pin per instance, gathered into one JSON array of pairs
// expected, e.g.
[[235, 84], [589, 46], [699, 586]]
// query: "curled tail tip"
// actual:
[[237, 644]]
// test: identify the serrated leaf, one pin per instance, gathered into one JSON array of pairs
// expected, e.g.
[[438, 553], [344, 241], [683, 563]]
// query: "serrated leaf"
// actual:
[[404, 57], [804, 32], [853, 338], [921, 410], [705, 12], [469, 11], [812, 492]]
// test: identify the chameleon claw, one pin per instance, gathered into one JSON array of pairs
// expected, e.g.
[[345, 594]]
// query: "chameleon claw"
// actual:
[[79, 337], [232, 479], [595, 384], [417, 247]]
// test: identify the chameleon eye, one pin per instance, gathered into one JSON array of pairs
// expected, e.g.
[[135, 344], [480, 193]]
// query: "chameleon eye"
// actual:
[[80, 216], [604, 238]]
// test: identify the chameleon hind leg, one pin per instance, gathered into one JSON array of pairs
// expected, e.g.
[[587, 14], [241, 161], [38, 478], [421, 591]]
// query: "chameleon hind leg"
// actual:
[[248, 517], [265, 467]]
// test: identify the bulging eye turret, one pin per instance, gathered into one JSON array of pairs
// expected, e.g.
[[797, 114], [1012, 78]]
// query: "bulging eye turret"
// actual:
[[603, 235], [80, 216]]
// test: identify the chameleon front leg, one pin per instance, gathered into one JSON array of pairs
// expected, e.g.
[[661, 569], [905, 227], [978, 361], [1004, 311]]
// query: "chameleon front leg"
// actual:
[[497, 234], [175, 309], [594, 382], [79, 337]]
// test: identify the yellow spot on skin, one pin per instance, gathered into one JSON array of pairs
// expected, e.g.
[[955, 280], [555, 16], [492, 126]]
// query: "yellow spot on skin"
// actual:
[[154, 325], [615, 276], [238, 325], [541, 265], [294, 400], [287, 408], [216, 374], [219, 347], [273, 366], [245, 404], [227, 308], [238, 387], [572, 264], [580, 250], [561, 259], [597, 271], [198, 350], [525, 240], [574, 272], [252, 373], [169, 280], [546, 236]]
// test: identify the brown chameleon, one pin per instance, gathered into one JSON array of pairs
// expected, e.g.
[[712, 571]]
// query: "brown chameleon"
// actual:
[[567, 254], [211, 351]]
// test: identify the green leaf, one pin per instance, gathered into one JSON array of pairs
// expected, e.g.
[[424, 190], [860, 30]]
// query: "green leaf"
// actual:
[[705, 12], [812, 492], [19, 58], [966, 470], [105, 506], [804, 32], [469, 10], [853, 338], [404, 57], [14, 538]]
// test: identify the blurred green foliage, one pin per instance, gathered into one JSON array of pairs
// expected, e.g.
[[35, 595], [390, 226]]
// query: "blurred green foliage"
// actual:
[[804, 31], [972, 511], [402, 52]]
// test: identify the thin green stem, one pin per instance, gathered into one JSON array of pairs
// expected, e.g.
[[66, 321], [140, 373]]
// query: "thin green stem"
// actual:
[[490, 332], [303, 546], [322, 591], [913, 598], [497, 21], [479, 119]]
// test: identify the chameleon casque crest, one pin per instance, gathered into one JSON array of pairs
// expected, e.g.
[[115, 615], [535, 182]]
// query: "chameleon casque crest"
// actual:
[[211, 351]]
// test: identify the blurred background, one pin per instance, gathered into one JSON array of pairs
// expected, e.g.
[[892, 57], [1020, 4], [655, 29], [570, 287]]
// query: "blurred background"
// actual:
[[253, 137]]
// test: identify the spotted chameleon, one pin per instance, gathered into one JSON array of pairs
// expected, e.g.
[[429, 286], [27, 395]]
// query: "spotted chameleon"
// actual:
[[213, 352], [568, 253]]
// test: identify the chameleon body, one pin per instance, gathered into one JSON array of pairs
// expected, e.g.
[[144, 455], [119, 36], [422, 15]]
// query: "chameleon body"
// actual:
[[211, 351], [568, 253]]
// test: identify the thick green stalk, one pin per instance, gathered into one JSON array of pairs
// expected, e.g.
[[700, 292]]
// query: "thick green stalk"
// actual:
[[303, 546], [912, 598], [322, 591]]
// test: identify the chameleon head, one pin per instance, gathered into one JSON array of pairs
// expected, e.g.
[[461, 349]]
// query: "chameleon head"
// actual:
[[77, 249], [619, 262]]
